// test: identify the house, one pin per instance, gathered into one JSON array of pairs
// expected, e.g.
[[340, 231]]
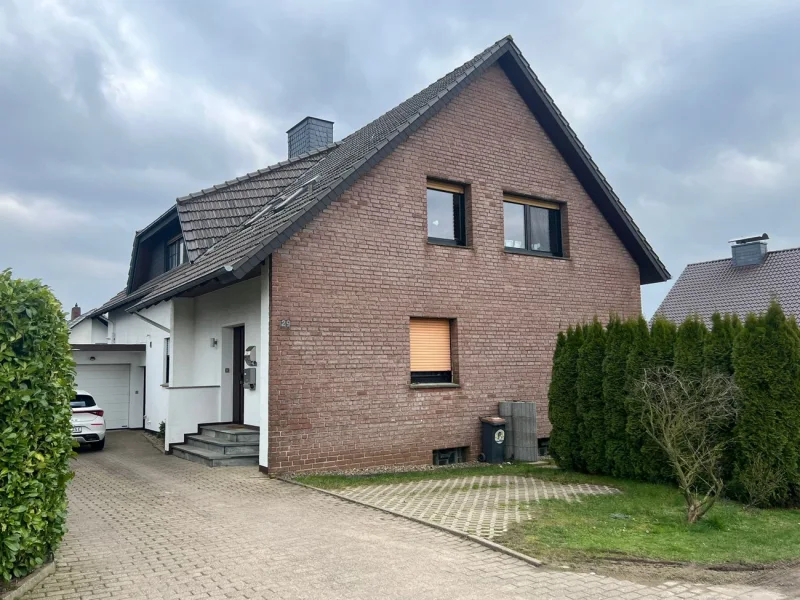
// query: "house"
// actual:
[[744, 283], [84, 329], [363, 302]]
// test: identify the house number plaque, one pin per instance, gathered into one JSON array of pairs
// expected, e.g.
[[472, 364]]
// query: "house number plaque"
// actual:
[[286, 323]]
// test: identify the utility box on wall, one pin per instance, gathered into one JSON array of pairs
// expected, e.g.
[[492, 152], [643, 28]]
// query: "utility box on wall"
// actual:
[[249, 378]]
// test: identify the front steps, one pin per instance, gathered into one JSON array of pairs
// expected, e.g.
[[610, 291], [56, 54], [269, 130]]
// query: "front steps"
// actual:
[[223, 445]]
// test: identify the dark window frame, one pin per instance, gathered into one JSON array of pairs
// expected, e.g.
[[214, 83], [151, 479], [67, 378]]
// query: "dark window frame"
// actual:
[[181, 255], [459, 214], [555, 228]]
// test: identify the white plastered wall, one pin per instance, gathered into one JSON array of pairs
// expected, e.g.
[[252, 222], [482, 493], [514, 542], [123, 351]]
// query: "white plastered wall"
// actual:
[[125, 328]]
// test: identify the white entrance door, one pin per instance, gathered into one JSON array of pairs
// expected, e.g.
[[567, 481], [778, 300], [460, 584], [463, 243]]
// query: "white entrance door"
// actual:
[[110, 386]]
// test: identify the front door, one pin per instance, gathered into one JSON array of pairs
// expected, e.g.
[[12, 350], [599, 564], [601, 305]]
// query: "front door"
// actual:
[[238, 375]]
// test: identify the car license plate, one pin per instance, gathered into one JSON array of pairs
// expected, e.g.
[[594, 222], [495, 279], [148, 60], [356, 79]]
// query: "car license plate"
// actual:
[[76, 430]]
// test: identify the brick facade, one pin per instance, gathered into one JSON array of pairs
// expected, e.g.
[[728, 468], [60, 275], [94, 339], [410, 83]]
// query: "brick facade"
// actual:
[[339, 377]]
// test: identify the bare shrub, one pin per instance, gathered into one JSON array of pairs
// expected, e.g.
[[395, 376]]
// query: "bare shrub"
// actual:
[[760, 482], [687, 417]]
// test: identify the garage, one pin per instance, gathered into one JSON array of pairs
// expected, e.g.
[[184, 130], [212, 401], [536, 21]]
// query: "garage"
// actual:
[[110, 386]]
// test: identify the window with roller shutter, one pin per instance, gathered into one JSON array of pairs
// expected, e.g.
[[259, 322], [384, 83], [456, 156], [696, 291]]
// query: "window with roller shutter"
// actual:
[[431, 360]]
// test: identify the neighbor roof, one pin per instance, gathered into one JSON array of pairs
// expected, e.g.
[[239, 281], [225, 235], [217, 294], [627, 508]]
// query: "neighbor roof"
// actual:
[[717, 286], [231, 250]]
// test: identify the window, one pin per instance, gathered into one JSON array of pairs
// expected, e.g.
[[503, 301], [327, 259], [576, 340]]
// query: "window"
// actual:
[[446, 214], [430, 351], [176, 253], [532, 225], [82, 401], [166, 360]]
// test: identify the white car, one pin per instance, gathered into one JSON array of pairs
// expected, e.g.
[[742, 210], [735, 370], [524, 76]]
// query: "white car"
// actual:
[[88, 424]]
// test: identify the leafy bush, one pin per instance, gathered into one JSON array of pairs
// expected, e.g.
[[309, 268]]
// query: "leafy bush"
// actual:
[[591, 427], [766, 361], [162, 430], [639, 358], [564, 444], [36, 386], [618, 347]]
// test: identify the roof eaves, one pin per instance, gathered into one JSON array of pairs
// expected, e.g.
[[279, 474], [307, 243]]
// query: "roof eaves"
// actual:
[[150, 300]]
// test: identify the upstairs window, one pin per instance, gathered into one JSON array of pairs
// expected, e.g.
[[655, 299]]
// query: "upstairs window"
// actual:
[[532, 225], [446, 214], [176, 253], [431, 360]]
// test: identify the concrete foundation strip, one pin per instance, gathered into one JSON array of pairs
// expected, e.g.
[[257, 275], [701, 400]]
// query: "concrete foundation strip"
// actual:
[[467, 536], [30, 582]]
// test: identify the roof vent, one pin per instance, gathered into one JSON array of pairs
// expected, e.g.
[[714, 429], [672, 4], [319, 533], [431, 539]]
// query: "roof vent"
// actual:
[[309, 134], [749, 251]]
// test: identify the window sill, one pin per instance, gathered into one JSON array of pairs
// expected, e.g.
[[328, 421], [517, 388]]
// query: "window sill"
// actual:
[[533, 253], [433, 386], [446, 243]]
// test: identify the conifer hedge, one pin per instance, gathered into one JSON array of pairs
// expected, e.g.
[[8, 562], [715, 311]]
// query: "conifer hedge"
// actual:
[[591, 409], [618, 346], [564, 443], [766, 364], [595, 409], [36, 386]]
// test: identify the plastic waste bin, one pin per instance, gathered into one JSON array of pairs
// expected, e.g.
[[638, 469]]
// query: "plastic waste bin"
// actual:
[[493, 439]]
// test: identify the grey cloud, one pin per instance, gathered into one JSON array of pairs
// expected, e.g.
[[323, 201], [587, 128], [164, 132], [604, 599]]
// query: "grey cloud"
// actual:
[[115, 109]]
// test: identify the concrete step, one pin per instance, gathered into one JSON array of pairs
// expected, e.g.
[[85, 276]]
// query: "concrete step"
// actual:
[[231, 433], [220, 445], [214, 459]]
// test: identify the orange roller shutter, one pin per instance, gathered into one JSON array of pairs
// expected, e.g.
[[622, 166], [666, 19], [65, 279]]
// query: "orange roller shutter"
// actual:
[[430, 345]]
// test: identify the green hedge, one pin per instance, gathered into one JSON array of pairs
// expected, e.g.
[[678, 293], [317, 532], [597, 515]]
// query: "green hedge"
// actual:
[[766, 364], [36, 386], [595, 410]]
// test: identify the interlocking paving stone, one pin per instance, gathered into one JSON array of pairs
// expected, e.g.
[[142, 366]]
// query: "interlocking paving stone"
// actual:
[[480, 505], [143, 526]]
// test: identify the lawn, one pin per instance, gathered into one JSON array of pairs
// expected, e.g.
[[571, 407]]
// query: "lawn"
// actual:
[[645, 521]]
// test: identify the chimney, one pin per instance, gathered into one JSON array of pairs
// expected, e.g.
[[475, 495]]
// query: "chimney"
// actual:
[[309, 134], [749, 251], [76, 312]]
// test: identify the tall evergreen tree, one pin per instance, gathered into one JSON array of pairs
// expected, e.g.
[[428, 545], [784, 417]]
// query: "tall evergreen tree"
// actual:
[[766, 361], [689, 345], [640, 357], [662, 342], [619, 340], [591, 428], [564, 442], [718, 350]]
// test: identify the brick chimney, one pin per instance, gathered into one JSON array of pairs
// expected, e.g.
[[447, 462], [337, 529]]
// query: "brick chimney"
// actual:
[[76, 312], [309, 134], [749, 251]]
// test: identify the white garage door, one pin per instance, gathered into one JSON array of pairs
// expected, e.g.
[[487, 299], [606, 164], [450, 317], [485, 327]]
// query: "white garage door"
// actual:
[[110, 387]]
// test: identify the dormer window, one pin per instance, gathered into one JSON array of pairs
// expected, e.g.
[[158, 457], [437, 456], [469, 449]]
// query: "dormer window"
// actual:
[[176, 253]]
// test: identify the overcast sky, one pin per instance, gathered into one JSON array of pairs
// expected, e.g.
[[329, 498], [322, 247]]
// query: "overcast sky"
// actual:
[[111, 110]]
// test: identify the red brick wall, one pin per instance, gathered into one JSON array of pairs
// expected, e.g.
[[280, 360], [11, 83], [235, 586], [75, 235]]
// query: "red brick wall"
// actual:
[[339, 377]]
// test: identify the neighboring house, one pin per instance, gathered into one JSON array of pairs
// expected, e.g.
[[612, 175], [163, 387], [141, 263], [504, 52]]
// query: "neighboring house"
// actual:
[[84, 329], [391, 287], [744, 283]]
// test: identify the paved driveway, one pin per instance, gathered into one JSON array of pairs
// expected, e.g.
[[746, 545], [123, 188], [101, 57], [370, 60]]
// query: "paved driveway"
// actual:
[[145, 525]]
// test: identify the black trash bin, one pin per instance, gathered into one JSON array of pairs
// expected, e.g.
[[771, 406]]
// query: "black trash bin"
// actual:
[[493, 439]]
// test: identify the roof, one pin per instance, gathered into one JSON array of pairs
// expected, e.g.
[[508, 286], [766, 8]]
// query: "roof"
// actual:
[[232, 250], [717, 286], [77, 320], [212, 214]]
